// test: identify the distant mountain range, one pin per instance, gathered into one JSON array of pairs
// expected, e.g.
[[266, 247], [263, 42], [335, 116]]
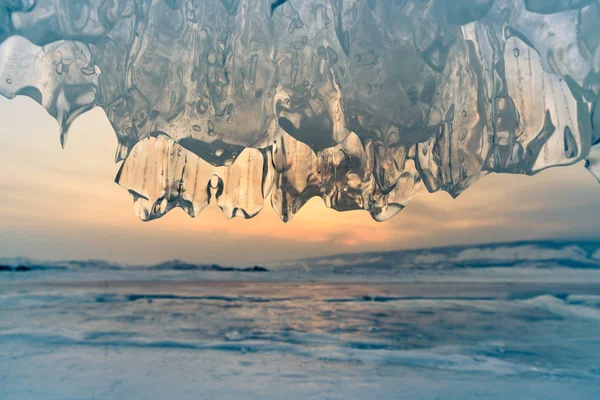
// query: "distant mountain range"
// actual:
[[24, 264], [540, 253], [537, 254]]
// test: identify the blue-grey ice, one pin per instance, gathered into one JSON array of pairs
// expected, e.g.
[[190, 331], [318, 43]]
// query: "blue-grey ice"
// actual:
[[364, 103], [498, 321]]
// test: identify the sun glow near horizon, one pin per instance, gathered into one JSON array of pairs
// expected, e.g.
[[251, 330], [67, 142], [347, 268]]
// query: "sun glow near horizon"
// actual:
[[60, 203]]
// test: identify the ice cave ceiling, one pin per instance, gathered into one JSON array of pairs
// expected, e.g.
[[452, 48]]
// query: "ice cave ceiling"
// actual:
[[363, 103]]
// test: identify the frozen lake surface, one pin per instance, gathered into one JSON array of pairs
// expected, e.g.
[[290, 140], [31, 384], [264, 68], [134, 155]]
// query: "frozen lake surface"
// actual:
[[527, 331]]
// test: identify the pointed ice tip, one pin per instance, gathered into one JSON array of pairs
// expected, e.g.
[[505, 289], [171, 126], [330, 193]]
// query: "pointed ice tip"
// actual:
[[592, 162], [63, 138]]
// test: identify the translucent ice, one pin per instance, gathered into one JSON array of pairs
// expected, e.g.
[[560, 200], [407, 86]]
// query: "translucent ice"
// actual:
[[364, 103]]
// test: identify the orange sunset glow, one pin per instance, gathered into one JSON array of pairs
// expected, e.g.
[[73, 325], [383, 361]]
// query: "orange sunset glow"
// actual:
[[64, 203]]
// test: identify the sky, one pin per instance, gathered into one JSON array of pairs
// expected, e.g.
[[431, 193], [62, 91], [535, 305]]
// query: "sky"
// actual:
[[60, 204]]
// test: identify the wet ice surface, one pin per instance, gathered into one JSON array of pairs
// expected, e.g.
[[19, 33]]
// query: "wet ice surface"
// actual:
[[363, 103], [528, 330]]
